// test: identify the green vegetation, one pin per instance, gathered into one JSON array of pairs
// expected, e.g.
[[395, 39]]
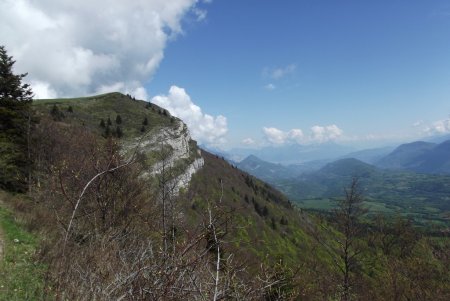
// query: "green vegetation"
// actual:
[[266, 222], [424, 198], [91, 111], [21, 274], [115, 229]]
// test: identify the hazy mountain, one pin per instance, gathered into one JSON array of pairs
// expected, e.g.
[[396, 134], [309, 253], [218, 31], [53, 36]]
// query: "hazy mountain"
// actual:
[[438, 138], [348, 168], [437, 160], [424, 157], [370, 156], [274, 172], [265, 170], [293, 153], [405, 156]]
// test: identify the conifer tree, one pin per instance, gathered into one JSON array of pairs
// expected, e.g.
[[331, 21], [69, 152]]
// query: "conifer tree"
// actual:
[[15, 125]]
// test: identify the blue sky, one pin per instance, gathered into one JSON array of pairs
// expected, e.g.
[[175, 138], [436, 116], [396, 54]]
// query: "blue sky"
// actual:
[[373, 68], [249, 72]]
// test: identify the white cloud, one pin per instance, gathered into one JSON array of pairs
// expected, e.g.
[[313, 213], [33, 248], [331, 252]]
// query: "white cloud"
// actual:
[[248, 141], [274, 135], [319, 134], [42, 90], [278, 73], [270, 87], [325, 133], [277, 136], [204, 128], [438, 127], [73, 48], [296, 135]]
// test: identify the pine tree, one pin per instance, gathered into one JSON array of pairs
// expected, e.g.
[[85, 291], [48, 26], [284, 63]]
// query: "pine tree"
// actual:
[[118, 119], [108, 122], [15, 126], [102, 123], [56, 113], [145, 122]]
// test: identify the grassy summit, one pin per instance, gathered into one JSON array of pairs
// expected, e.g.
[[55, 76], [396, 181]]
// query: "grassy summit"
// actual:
[[90, 111]]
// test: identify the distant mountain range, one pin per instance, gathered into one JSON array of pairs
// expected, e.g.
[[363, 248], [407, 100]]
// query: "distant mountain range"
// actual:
[[370, 156], [272, 172], [288, 154], [420, 156], [411, 179], [424, 197]]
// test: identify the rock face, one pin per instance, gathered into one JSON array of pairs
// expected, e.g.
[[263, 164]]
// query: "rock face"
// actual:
[[175, 153]]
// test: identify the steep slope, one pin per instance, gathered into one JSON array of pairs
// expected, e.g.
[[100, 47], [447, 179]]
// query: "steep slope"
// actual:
[[162, 139], [263, 222]]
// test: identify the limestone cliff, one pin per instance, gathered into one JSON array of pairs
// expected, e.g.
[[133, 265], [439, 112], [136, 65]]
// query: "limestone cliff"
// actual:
[[171, 150]]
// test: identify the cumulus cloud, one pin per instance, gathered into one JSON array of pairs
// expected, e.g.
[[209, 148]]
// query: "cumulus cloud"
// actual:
[[72, 48], [318, 134], [438, 127], [204, 128], [278, 73], [277, 136], [274, 135], [325, 133]]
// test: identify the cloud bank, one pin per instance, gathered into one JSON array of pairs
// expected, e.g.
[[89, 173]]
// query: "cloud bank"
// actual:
[[72, 48], [204, 128], [318, 134]]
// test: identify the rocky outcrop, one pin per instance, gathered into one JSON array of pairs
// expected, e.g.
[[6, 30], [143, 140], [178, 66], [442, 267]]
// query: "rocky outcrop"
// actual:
[[175, 152]]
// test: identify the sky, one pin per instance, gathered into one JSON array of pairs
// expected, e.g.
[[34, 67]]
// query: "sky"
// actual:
[[249, 73]]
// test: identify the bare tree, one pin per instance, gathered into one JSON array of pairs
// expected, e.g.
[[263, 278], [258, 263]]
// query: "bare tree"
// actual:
[[344, 247], [347, 217]]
